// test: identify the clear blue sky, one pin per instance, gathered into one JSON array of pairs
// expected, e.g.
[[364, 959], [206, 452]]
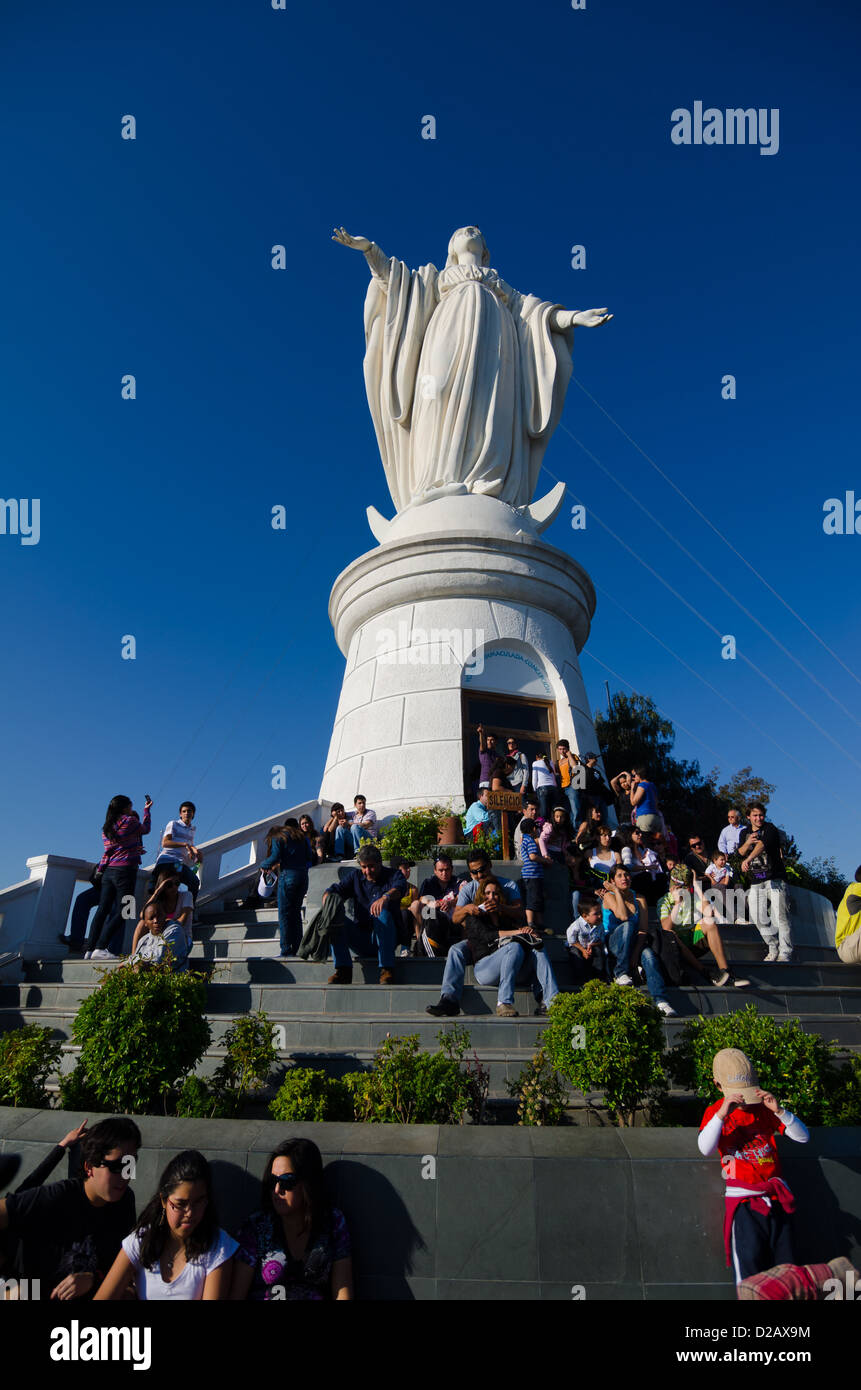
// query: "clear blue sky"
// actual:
[[257, 127]]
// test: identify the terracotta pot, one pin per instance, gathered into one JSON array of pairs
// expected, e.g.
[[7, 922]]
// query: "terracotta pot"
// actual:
[[450, 831]]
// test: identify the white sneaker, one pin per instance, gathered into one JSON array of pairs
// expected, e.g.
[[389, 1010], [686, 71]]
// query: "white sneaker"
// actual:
[[784, 958], [772, 955], [622, 980], [88, 955], [103, 955], [666, 1009]]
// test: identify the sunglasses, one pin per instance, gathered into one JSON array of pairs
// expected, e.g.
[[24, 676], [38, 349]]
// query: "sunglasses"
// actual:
[[284, 1182], [113, 1165]]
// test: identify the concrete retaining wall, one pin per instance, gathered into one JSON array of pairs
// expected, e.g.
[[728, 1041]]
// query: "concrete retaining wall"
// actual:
[[506, 1213]]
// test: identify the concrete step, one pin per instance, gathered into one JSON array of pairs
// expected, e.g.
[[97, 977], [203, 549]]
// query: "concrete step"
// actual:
[[362, 1016]]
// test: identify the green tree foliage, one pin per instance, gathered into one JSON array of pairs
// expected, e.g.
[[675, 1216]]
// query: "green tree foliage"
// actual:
[[608, 1039], [28, 1056], [636, 733], [800, 1069], [139, 1033]]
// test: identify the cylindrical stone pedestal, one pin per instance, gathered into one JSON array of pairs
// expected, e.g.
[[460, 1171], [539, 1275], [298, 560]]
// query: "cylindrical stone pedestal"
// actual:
[[427, 616]]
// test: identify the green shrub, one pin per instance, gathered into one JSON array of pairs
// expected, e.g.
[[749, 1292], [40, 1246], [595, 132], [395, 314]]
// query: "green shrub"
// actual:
[[609, 1039], [306, 1095], [28, 1056], [409, 1087], [414, 833], [539, 1092], [76, 1093], [800, 1069], [196, 1100], [139, 1033], [251, 1055]]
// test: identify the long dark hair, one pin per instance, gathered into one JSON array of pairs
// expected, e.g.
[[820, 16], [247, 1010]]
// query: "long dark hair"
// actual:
[[307, 1164], [276, 832], [501, 769], [117, 806], [152, 1227]]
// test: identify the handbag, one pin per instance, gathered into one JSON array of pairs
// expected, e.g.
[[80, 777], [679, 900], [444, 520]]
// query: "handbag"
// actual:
[[266, 884], [528, 939]]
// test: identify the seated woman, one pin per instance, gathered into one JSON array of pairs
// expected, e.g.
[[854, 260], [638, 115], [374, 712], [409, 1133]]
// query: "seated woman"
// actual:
[[309, 830], [605, 856], [175, 901], [647, 874], [627, 931], [177, 1249], [556, 835], [406, 931], [586, 836], [297, 1245], [686, 913], [161, 941], [499, 953]]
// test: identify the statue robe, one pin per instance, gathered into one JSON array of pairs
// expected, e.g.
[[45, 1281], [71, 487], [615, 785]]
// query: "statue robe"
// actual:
[[465, 381]]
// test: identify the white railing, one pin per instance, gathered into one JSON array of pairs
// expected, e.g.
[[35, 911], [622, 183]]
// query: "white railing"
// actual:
[[34, 912]]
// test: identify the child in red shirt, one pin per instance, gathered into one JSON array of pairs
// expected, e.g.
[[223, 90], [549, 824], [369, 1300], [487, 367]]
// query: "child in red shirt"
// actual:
[[742, 1126]]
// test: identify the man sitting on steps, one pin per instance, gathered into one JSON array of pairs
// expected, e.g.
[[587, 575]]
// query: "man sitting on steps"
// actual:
[[376, 893]]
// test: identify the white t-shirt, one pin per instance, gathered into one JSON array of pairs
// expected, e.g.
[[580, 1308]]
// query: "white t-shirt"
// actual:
[[176, 830], [542, 775], [189, 1283]]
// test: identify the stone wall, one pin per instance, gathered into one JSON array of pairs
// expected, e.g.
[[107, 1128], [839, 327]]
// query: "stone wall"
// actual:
[[505, 1213]]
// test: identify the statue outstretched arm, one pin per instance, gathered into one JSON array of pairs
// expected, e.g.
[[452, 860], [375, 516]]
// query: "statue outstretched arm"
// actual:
[[561, 319], [377, 259]]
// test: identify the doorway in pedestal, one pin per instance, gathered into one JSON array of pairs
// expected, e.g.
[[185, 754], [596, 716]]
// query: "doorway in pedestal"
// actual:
[[532, 722]]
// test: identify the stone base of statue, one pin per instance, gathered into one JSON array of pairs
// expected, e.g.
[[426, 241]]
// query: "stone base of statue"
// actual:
[[462, 609]]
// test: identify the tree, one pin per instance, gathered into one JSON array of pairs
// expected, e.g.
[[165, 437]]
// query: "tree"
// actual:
[[742, 788], [635, 733]]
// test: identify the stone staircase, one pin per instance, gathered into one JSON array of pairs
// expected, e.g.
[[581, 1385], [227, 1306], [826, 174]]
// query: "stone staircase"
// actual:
[[338, 1028]]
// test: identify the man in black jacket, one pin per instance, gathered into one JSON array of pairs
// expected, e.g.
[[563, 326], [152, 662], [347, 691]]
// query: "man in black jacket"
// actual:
[[375, 892]]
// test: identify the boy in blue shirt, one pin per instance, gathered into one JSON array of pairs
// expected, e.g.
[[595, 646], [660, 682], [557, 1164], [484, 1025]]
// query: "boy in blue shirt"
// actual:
[[533, 874]]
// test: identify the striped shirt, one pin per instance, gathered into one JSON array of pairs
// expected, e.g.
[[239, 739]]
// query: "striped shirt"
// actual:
[[125, 847], [531, 869]]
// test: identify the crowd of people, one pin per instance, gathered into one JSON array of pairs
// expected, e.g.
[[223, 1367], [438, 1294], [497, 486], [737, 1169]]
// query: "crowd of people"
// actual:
[[81, 1237], [642, 906]]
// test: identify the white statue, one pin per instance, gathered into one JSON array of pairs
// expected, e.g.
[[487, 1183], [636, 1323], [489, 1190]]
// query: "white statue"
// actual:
[[466, 377]]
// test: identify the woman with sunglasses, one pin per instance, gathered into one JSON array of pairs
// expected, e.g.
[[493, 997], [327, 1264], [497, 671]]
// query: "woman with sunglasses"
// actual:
[[177, 1250], [297, 1246]]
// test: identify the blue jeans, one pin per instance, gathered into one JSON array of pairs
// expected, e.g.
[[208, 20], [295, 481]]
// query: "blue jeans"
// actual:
[[108, 922], [343, 842], [574, 796], [547, 799], [358, 938], [292, 887], [458, 958], [621, 942], [359, 833], [503, 966]]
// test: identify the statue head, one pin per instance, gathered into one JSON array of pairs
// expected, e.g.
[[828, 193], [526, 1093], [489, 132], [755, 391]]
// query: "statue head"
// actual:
[[467, 239]]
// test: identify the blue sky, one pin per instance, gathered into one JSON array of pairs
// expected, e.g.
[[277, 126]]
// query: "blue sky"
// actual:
[[152, 256]]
